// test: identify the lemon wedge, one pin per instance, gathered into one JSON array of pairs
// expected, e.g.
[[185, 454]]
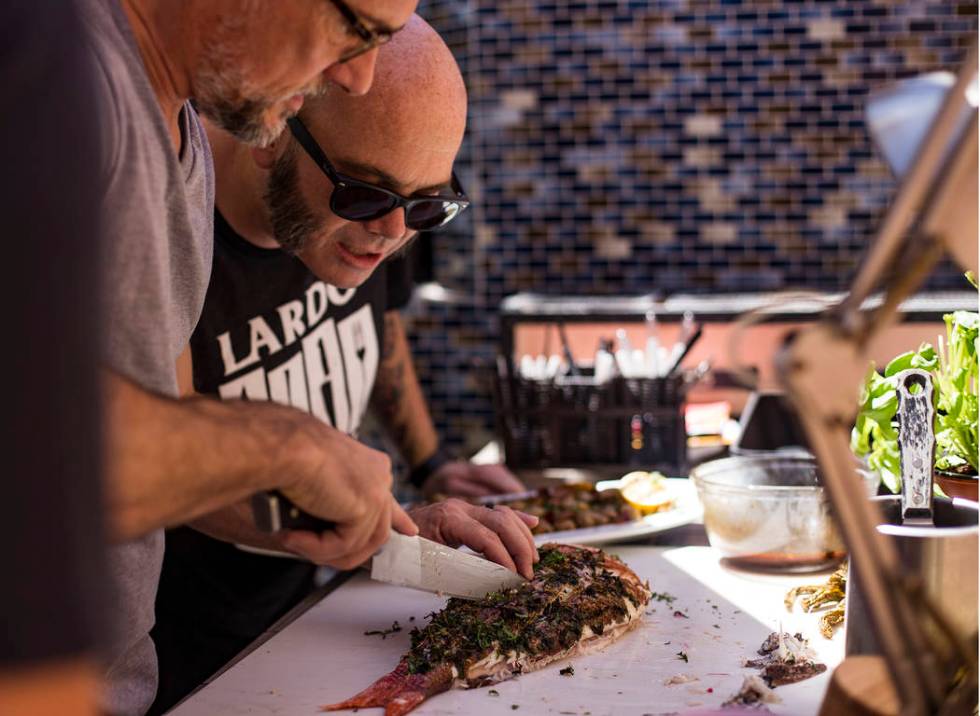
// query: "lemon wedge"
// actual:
[[648, 492]]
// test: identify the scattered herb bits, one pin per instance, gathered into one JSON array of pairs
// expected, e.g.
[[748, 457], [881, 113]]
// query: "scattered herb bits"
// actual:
[[568, 671], [682, 655], [384, 633]]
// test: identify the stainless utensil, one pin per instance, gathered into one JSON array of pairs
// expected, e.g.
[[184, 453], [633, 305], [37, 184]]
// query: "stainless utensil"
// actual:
[[413, 562], [943, 557], [916, 445], [419, 563]]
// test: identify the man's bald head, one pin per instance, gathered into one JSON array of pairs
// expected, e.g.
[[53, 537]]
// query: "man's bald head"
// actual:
[[402, 136], [418, 99]]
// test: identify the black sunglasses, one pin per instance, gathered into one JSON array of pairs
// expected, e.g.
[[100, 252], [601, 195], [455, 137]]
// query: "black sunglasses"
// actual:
[[356, 200], [369, 38]]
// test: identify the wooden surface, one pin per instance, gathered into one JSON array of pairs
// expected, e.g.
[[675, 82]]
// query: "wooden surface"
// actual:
[[861, 686], [324, 656]]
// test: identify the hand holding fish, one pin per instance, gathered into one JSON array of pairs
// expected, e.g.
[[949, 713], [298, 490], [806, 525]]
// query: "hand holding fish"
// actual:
[[500, 534]]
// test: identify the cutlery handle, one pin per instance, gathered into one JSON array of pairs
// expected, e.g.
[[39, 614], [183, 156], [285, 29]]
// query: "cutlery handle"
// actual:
[[916, 443], [274, 512]]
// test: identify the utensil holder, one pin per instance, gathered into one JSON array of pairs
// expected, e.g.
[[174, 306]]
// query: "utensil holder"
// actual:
[[944, 557], [575, 421]]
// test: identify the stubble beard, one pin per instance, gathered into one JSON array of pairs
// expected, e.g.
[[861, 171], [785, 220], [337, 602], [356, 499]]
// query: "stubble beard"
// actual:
[[292, 220], [223, 93]]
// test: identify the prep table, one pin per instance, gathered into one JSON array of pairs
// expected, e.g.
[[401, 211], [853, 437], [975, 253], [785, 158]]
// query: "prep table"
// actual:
[[718, 618]]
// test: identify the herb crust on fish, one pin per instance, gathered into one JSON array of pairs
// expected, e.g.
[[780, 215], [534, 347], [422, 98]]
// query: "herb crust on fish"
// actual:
[[579, 601]]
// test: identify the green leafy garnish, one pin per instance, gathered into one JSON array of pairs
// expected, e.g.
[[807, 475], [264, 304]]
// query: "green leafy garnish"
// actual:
[[954, 369]]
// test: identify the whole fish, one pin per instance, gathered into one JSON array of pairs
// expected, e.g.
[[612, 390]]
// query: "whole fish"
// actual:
[[579, 601]]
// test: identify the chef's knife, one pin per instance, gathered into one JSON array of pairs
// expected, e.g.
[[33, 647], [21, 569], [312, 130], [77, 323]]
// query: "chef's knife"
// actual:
[[274, 512], [419, 563], [413, 562]]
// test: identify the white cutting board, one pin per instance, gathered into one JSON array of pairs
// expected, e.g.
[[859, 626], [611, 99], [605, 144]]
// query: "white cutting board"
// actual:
[[324, 656]]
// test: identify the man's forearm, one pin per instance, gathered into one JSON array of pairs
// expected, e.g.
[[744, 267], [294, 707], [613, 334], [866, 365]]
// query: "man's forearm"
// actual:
[[398, 398], [169, 461]]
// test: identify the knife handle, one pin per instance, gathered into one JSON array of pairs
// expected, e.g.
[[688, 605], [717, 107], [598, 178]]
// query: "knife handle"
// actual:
[[274, 512]]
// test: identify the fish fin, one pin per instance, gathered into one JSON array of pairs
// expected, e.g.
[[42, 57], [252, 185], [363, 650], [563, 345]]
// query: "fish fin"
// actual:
[[377, 694]]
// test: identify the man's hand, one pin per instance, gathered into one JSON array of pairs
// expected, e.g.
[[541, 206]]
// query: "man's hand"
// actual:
[[342, 480], [219, 452], [501, 534], [464, 479], [332, 547]]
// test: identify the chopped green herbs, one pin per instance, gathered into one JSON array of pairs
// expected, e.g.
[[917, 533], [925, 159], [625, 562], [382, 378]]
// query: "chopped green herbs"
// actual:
[[570, 591], [667, 599], [552, 558], [493, 692], [568, 671]]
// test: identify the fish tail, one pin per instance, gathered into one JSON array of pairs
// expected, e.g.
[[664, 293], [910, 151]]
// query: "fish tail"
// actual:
[[404, 702], [399, 692], [377, 694]]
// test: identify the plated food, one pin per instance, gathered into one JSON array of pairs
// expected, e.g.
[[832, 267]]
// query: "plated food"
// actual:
[[579, 601], [573, 506]]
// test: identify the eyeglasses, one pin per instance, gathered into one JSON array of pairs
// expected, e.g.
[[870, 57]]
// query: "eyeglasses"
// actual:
[[356, 200], [369, 38]]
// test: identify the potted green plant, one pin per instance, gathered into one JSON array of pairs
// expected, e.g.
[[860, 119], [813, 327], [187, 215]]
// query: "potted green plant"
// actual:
[[954, 369]]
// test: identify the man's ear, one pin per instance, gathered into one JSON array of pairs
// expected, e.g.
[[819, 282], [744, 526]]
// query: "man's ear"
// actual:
[[265, 157]]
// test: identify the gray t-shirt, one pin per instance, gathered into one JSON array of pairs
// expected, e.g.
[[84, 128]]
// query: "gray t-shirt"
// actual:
[[158, 234]]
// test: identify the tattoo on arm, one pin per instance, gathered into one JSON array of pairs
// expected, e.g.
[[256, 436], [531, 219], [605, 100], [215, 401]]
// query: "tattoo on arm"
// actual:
[[391, 329], [389, 388]]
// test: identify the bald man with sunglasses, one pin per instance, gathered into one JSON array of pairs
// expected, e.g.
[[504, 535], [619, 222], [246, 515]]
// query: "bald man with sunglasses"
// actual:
[[302, 310]]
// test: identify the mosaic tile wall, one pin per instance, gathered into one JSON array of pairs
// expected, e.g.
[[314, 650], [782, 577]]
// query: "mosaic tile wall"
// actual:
[[622, 146]]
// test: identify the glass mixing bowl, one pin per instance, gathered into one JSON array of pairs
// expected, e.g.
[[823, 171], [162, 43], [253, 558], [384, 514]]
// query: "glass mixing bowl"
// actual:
[[769, 512]]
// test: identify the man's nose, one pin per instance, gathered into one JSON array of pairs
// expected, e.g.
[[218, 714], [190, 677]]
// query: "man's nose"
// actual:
[[355, 75], [390, 226]]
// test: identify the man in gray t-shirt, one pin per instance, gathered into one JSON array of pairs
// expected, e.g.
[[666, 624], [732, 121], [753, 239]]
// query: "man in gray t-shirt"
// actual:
[[248, 66]]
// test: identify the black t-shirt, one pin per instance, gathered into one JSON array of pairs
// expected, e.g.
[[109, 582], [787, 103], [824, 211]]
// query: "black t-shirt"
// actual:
[[269, 330], [52, 548]]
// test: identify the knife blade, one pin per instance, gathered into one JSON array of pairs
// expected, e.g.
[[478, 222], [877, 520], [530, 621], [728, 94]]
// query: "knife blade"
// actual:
[[419, 563], [413, 562]]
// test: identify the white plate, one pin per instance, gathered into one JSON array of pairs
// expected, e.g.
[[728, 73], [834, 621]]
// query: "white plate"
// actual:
[[686, 509]]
